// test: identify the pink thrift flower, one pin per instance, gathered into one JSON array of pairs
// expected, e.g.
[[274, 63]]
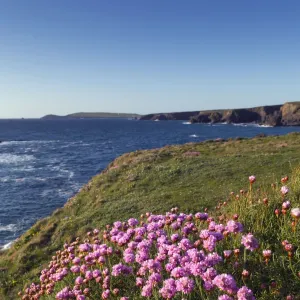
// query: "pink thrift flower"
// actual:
[[227, 253], [225, 297], [129, 258], [295, 213], [101, 260], [185, 244], [79, 280], [185, 285], [178, 272], [118, 225], [83, 269], [210, 243], [168, 290], [250, 242], [226, 283], [105, 294], [267, 253], [139, 281], [286, 205], [284, 190], [234, 227], [133, 222], [204, 234], [208, 286], [75, 269], [175, 237], [85, 247], [76, 261], [209, 274], [120, 269], [147, 290], [96, 273], [154, 279], [65, 293], [245, 294], [201, 216], [252, 179]]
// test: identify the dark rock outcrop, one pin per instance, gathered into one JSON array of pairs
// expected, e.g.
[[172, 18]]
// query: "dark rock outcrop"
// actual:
[[170, 116], [287, 114]]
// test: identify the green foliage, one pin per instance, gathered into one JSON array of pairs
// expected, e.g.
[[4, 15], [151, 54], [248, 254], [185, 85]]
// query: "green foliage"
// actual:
[[256, 210]]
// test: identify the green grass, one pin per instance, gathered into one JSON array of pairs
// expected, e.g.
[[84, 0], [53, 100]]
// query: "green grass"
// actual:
[[153, 180]]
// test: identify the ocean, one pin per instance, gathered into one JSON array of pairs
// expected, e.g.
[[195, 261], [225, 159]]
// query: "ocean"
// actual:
[[45, 162]]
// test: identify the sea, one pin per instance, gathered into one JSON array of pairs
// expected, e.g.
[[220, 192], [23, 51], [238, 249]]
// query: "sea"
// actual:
[[45, 162]]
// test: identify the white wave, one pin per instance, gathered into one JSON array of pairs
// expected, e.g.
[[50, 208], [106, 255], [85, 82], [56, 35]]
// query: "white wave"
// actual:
[[194, 135], [46, 193], [20, 179], [186, 123], [27, 179], [241, 124], [219, 124], [24, 169], [250, 125], [64, 194], [33, 179], [62, 172], [5, 179], [7, 158], [6, 246], [267, 126], [39, 179], [30, 150], [9, 227], [4, 143]]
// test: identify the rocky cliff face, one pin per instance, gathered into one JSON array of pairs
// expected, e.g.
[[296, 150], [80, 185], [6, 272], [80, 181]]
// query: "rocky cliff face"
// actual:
[[287, 114], [290, 114]]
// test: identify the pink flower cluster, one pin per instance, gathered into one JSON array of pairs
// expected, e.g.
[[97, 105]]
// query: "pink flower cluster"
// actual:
[[167, 255]]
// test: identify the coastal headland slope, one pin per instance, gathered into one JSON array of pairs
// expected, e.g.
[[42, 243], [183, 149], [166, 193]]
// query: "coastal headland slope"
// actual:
[[192, 177]]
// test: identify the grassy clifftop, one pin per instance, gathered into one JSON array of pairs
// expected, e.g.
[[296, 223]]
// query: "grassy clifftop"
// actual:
[[191, 177]]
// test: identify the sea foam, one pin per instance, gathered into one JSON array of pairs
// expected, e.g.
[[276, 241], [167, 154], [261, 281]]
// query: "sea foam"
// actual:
[[7, 158], [9, 227]]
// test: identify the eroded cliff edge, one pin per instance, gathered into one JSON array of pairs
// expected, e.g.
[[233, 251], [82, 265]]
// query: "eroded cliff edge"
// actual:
[[287, 114]]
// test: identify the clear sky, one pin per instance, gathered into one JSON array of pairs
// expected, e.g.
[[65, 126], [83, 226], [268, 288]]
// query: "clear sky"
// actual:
[[65, 56]]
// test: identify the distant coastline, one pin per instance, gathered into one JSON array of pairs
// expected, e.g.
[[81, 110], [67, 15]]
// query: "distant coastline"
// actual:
[[92, 115], [287, 114]]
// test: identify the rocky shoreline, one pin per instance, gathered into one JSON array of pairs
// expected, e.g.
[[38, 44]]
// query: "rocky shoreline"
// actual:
[[287, 114]]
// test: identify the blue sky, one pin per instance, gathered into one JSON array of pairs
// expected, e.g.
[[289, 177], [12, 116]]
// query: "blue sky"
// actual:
[[146, 56]]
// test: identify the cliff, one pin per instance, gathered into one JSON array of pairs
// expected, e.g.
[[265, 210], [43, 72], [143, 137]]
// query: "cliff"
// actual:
[[290, 114], [287, 114]]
